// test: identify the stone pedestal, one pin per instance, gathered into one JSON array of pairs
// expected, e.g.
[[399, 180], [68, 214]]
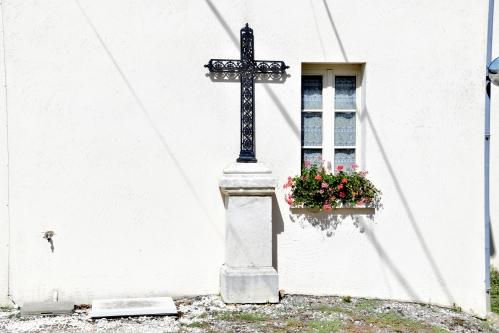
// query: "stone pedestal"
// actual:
[[248, 275]]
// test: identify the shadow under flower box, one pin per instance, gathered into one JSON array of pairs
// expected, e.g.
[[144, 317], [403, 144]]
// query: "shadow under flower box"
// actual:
[[347, 210]]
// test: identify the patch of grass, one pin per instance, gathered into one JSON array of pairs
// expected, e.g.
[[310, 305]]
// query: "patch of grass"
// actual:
[[328, 309], [396, 322], [324, 326], [494, 290], [199, 324], [367, 304], [436, 329], [294, 323], [247, 317]]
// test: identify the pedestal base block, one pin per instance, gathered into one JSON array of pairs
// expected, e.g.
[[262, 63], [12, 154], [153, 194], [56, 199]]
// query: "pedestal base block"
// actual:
[[249, 285]]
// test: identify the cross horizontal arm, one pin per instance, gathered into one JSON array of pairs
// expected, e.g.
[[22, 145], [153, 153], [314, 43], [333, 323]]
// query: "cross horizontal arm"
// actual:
[[224, 65], [270, 66], [236, 66]]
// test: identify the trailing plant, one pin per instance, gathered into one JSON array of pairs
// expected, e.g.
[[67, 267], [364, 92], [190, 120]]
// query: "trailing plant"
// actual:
[[317, 187]]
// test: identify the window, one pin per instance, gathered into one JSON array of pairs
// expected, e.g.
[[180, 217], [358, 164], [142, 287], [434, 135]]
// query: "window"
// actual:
[[330, 100]]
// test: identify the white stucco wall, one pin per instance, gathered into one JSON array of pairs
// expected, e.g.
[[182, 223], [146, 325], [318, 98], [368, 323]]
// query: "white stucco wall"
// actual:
[[117, 139], [4, 215]]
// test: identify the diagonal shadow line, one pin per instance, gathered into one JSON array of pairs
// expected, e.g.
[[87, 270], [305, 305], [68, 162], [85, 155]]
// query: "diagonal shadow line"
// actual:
[[148, 117], [223, 23], [335, 31], [283, 112], [272, 95], [386, 259], [318, 29], [408, 210]]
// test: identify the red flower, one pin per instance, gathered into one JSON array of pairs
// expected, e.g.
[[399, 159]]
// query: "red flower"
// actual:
[[339, 167], [339, 187], [327, 207], [318, 177], [344, 181], [342, 194]]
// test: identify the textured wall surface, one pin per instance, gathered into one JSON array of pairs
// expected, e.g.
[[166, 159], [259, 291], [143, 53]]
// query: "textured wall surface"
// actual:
[[117, 139]]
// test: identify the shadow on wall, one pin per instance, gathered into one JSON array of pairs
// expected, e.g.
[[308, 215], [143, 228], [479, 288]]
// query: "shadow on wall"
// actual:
[[149, 119], [410, 215], [492, 243], [327, 222], [277, 228]]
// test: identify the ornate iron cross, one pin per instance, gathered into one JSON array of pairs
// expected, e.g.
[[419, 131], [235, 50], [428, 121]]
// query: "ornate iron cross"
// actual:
[[247, 69]]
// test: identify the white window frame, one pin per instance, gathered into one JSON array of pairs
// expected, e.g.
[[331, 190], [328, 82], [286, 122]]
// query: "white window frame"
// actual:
[[328, 73]]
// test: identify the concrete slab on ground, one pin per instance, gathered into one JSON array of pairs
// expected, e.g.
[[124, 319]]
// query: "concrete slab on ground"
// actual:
[[47, 308], [126, 307]]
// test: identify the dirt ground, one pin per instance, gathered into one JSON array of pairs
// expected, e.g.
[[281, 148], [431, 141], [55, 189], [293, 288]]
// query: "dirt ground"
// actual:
[[295, 313]]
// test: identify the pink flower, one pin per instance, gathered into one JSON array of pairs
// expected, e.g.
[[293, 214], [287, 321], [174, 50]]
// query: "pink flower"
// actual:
[[344, 181], [289, 199], [339, 167], [339, 187], [363, 173], [324, 185], [342, 194], [318, 177], [354, 166], [327, 207], [289, 183], [306, 164], [321, 191]]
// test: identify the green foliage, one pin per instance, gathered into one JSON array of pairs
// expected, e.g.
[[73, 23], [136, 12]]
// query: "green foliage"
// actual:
[[494, 290], [318, 188]]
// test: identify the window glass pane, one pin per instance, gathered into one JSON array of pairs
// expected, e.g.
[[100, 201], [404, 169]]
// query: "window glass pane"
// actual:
[[311, 92], [312, 156], [344, 129], [345, 157], [311, 129], [344, 92]]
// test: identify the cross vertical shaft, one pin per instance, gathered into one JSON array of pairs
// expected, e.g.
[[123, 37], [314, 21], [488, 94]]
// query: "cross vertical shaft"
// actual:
[[247, 68], [247, 152]]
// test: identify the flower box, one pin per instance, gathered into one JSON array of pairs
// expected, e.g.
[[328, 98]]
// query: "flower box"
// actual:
[[342, 192]]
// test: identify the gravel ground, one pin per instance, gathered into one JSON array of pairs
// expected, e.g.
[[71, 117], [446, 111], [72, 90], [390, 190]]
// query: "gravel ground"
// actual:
[[295, 313]]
